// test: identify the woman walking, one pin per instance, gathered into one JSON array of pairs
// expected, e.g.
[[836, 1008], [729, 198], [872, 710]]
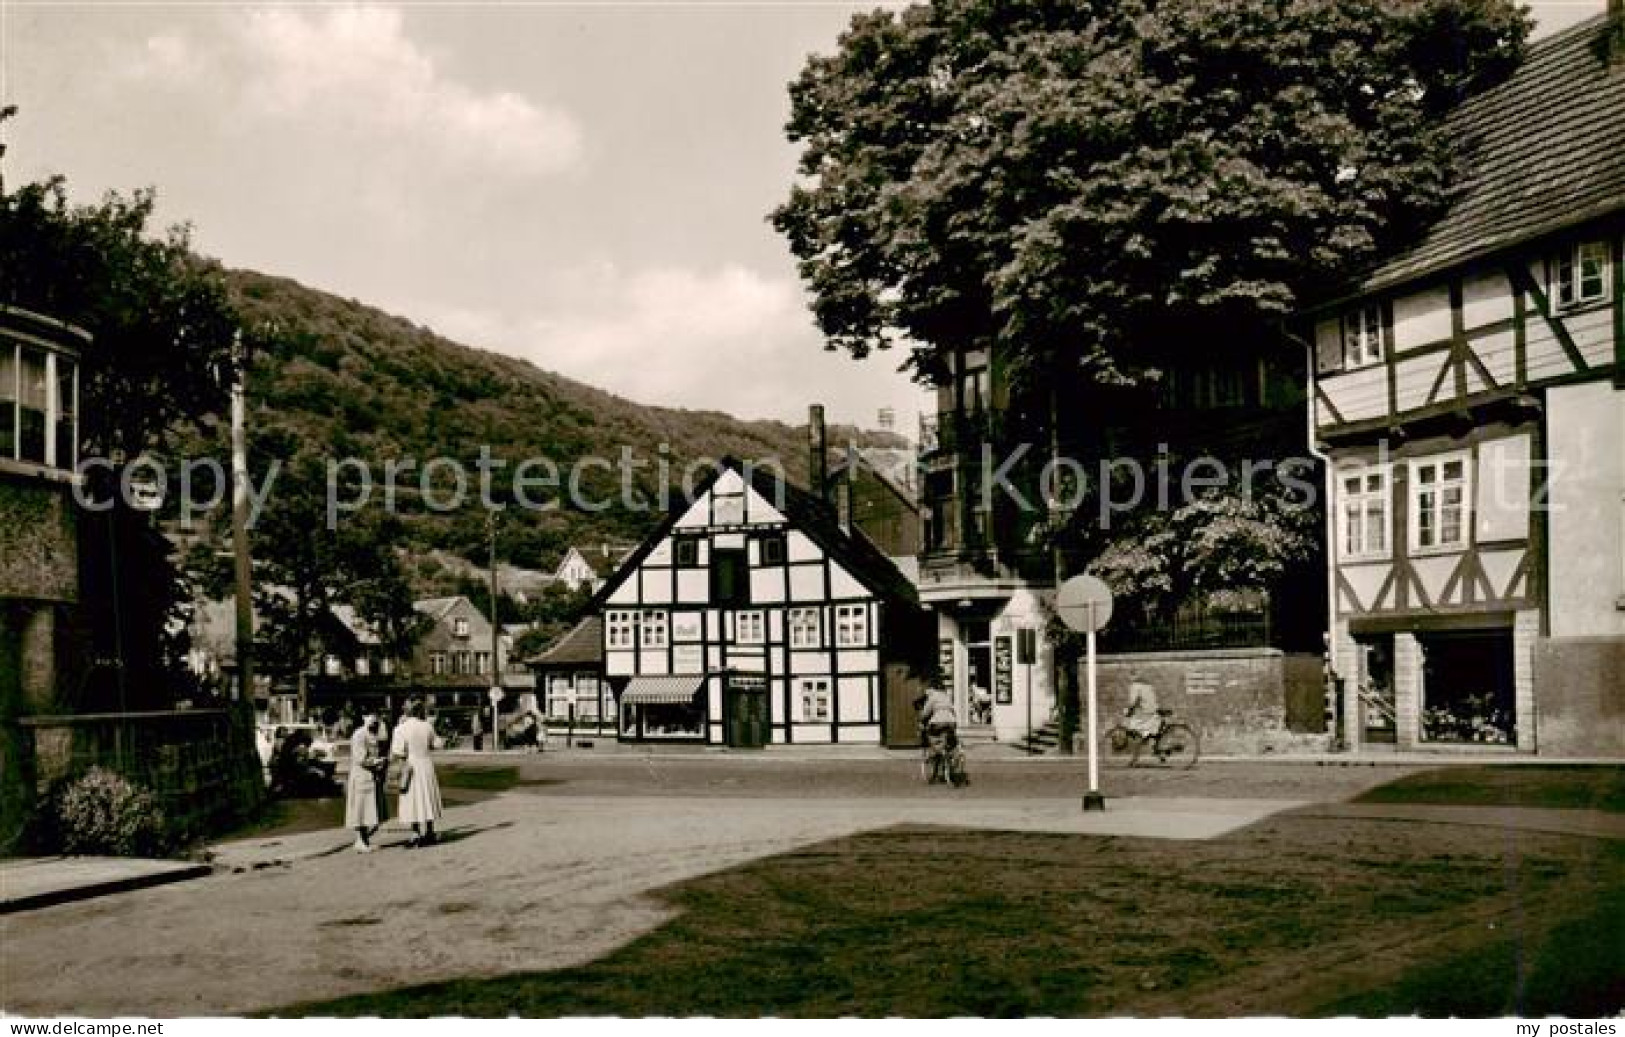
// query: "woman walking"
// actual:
[[364, 787], [419, 804]]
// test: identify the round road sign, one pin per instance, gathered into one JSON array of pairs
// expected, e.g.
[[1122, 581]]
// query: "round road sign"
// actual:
[[1084, 604]]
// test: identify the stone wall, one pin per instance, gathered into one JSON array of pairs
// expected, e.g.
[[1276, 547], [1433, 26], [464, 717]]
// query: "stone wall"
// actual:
[[201, 764], [1235, 698], [1579, 700], [39, 556]]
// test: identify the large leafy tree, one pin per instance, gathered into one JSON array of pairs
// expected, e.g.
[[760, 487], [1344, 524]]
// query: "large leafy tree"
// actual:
[[1078, 181]]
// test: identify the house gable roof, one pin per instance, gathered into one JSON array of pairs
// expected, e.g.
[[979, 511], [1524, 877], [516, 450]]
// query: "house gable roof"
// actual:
[[1546, 151], [803, 511], [582, 646]]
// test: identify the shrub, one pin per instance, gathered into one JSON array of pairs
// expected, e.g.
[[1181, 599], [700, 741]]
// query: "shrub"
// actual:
[[102, 813]]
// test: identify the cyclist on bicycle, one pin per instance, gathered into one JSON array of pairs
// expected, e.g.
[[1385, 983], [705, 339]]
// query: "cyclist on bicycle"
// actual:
[[1141, 715], [939, 724]]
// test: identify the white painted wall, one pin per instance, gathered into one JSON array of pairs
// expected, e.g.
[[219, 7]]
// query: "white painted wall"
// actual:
[[1586, 445]]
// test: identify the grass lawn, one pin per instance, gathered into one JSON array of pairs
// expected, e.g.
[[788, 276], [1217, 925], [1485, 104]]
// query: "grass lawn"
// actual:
[[1294, 916], [1529, 785]]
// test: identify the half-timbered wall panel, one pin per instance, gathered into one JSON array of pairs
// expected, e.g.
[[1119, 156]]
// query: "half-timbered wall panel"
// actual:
[[1503, 489], [1486, 298], [1421, 317], [767, 586], [1359, 395], [1416, 376], [807, 583], [656, 586]]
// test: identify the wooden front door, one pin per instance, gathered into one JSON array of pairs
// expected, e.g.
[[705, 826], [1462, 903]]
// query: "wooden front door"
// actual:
[[747, 713]]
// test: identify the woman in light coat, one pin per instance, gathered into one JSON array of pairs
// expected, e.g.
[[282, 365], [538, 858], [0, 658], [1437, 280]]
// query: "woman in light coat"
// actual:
[[363, 797], [419, 804]]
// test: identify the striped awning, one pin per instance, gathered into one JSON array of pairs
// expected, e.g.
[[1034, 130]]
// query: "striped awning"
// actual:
[[661, 691]]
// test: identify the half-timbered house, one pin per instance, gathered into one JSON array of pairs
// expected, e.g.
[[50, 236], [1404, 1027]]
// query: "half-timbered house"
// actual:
[[751, 617], [1471, 396]]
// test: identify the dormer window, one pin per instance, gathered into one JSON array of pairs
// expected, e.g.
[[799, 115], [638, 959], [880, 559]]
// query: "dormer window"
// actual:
[[1362, 337], [1580, 274]]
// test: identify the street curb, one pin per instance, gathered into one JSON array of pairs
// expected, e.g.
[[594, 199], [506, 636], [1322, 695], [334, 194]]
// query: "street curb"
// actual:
[[70, 894]]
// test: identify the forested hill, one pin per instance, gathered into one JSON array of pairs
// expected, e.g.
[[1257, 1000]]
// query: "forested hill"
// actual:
[[348, 380]]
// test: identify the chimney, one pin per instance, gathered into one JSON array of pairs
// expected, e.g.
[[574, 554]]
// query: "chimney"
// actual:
[[818, 451], [848, 505]]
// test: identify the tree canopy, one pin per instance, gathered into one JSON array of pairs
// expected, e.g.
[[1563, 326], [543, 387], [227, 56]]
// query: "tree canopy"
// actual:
[[1075, 181], [160, 314]]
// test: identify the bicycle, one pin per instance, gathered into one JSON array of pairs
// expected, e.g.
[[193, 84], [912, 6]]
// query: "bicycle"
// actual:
[[943, 763], [1172, 744]]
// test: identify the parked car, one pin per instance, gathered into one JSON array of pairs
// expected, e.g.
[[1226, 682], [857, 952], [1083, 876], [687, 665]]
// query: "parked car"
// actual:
[[298, 758]]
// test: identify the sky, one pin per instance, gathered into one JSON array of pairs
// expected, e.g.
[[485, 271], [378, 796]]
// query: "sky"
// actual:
[[584, 185]]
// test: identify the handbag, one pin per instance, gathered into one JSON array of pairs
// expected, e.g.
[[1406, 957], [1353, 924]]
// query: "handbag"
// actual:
[[406, 775]]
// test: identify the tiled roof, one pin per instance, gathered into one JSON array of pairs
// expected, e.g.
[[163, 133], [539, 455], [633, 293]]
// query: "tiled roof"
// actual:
[[1546, 150], [582, 646]]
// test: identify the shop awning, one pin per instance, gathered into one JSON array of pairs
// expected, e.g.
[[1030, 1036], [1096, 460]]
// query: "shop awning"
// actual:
[[662, 691]]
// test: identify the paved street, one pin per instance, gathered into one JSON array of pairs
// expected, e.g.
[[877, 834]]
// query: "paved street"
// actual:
[[557, 872]]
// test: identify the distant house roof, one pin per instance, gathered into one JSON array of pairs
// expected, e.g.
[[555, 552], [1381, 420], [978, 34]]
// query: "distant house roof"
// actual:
[[363, 632], [1546, 151], [437, 608], [604, 557], [582, 646], [894, 468]]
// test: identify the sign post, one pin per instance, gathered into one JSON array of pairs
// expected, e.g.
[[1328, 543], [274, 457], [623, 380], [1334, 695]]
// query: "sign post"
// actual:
[[496, 695], [1084, 604]]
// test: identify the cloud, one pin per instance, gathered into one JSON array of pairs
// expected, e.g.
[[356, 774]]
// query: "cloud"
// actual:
[[352, 73], [727, 338]]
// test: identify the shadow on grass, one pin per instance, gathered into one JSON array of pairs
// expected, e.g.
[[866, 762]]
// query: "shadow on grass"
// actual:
[[1291, 916], [1555, 786]]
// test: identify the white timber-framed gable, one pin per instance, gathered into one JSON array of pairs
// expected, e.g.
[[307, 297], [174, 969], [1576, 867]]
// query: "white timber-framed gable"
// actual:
[[733, 607]]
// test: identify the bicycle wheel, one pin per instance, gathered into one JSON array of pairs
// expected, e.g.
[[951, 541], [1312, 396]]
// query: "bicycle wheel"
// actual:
[[1120, 747], [1178, 746]]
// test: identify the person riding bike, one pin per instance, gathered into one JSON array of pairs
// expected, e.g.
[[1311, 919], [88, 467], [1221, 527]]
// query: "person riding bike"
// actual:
[[1141, 715], [939, 733]]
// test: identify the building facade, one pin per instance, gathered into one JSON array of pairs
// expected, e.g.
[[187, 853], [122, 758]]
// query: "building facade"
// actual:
[[569, 678], [1471, 395], [750, 617]]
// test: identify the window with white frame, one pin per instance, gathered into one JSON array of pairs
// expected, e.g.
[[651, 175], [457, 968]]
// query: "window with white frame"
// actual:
[[459, 627], [654, 628], [559, 694], [437, 664], [482, 662], [1439, 508], [618, 629], [1580, 274], [815, 698], [806, 628], [587, 696], [852, 626], [1364, 511], [1362, 337], [461, 664], [750, 628]]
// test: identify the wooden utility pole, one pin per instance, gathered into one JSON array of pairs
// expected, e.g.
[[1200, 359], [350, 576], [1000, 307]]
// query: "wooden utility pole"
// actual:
[[496, 638], [242, 563]]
